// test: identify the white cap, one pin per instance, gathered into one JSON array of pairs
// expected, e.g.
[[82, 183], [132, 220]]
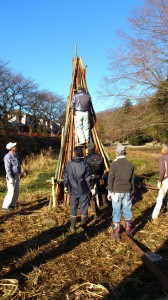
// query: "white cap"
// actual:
[[121, 149], [10, 145]]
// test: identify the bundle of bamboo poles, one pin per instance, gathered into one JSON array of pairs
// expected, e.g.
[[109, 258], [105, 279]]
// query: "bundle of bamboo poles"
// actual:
[[69, 139]]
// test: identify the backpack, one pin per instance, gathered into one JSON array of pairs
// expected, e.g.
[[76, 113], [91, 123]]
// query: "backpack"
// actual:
[[96, 163]]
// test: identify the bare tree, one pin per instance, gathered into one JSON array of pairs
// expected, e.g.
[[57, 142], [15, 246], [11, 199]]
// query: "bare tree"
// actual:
[[14, 92], [139, 67], [45, 108], [21, 95]]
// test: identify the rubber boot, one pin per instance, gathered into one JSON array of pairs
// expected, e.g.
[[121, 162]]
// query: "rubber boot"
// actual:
[[73, 223], [84, 222], [128, 227], [116, 228]]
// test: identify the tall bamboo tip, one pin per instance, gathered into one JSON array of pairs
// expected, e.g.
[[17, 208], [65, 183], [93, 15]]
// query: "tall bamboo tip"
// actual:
[[76, 51]]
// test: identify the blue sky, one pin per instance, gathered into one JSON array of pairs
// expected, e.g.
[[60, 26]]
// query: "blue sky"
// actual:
[[38, 39]]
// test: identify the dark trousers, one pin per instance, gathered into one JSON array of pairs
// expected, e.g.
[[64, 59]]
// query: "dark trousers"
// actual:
[[82, 200]]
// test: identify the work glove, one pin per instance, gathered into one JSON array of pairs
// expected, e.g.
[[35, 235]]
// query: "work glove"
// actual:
[[115, 197], [93, 192], [159, 185], [65, 189], [11, 180]]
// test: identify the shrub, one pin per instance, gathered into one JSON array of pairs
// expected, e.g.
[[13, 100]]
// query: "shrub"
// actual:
[[140, 139]]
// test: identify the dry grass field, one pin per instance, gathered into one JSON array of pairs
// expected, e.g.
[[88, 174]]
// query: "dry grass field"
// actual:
[[42, 260]]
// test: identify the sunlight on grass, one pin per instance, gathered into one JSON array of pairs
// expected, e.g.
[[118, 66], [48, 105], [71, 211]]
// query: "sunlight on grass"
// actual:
[[36, 170], [140, 166]]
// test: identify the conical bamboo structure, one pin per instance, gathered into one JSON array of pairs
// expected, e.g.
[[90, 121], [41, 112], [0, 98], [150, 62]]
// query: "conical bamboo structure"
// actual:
[[69, 140]]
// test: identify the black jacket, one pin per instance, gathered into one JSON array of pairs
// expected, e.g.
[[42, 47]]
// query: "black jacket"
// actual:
[[121, 176], [96, 163], [77, 177], [81, 101]]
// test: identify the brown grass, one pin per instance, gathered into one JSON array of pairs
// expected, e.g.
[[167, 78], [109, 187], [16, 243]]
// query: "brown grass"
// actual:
[[37, 249]]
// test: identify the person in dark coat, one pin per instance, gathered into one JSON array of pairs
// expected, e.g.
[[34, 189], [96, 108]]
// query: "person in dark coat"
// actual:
[[120, 189], [78, 183], [96, 165]]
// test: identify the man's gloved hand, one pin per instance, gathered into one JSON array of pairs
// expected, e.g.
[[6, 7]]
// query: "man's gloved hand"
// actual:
[[65, 189], [93, 192], [159, 185], [109, 196], [11, 180]]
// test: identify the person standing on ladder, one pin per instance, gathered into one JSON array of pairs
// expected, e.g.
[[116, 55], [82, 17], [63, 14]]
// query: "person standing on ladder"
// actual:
[[81, 102]]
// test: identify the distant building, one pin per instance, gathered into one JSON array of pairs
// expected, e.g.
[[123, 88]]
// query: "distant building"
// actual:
[[18, 118]]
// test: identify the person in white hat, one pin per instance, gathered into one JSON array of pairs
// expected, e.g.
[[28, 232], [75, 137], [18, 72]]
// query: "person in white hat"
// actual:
[[12, 165]]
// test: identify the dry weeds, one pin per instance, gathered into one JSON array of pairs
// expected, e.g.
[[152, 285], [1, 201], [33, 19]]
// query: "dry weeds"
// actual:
[[48, 262]]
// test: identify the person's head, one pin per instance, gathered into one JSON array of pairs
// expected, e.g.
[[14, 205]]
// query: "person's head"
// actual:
[[165, 149], [78, 151], [91, 148], [120, 150]]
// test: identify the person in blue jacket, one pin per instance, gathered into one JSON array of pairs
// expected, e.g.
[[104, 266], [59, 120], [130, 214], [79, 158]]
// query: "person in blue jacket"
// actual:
[[12, 163], [78, 183]]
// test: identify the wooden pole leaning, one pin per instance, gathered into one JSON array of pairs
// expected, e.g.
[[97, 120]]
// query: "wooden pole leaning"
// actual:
[[68, 137], [154, 269]]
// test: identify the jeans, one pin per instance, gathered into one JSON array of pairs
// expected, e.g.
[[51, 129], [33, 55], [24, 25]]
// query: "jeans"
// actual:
[[162, 192], [82, 126], [12, 193], [124, 203], [83, 200]]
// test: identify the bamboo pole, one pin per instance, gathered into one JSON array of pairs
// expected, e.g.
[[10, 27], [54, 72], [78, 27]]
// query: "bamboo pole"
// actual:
[[100, 148], [53, 191]]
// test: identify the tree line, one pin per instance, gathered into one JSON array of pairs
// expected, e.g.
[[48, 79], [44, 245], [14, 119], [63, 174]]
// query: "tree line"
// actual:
[[22, 94], [137, 79]]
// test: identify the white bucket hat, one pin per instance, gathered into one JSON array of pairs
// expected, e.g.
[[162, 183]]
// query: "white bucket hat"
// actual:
[[10, 145]]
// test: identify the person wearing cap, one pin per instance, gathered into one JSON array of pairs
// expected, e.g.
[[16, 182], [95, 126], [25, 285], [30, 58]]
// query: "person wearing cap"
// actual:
[[96, 165], [120, 189], [162, 184], [78, 183], [12, 165], [81, 102]]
